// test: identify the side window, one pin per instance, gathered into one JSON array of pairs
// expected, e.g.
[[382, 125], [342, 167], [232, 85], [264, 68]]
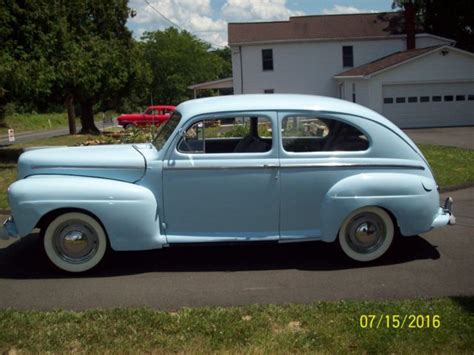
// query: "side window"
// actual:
[[347, 56], [313, 134], [267, 59], [243, 134]]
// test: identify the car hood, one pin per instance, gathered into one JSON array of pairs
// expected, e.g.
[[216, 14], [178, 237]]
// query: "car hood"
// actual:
[[118, 162]]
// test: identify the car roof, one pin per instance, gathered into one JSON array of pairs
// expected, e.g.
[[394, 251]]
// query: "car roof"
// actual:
[[277, 102], [171, 107]]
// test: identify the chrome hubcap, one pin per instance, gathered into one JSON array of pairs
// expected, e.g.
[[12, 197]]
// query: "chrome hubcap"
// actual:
[[365, 232], [75, 242]]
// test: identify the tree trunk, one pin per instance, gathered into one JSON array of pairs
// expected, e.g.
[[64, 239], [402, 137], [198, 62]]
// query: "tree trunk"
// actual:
[[3, 103], [87, 119], [71, 115]]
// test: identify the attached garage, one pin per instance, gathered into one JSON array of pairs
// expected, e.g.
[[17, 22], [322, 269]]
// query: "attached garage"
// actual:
[[429, 105], [425, 87]]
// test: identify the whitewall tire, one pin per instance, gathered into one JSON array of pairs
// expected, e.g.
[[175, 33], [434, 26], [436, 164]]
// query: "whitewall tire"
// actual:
[[366, 234], [75, 242]]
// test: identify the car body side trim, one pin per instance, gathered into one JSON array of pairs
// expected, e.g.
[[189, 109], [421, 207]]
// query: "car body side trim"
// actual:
[[298, 165], [83, 167]]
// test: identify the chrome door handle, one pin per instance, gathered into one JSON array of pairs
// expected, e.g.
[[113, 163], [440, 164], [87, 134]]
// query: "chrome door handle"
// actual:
[[270, 166]]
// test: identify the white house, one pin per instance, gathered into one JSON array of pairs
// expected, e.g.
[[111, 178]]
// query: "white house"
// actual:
[[378, 60]]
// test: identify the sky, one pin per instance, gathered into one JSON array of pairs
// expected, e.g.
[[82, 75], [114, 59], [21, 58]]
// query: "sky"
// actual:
[[207, 19]]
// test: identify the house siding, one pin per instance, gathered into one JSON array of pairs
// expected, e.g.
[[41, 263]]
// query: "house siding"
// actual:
[[307, 67]]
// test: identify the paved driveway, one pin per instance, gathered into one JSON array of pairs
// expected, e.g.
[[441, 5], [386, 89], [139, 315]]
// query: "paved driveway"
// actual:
[[462, 137], [439, 263]]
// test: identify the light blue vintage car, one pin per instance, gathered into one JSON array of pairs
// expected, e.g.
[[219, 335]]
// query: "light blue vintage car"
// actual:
[[284, 168]]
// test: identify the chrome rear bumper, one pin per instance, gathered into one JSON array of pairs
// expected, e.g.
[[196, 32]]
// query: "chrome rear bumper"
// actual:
[[445, 215], [8, 233]]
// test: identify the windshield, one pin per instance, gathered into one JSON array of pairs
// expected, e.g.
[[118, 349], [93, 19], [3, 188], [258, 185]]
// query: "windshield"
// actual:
[[165, 130]]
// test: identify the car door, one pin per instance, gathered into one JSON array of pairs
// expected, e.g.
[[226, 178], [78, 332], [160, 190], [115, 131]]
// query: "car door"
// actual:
[[316, 151], [149, 117], [219, 188]]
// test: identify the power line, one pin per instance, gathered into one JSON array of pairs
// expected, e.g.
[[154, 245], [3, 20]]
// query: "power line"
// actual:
[[178, 26]]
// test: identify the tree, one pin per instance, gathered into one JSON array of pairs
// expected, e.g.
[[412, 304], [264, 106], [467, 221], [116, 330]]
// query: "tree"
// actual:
[[28, 33], [66, 51], [178, 59], [97, 59], [451, 19], [226, 54]]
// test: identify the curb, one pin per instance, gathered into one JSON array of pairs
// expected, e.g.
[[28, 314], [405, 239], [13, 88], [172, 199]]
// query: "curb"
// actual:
[[455, 188]]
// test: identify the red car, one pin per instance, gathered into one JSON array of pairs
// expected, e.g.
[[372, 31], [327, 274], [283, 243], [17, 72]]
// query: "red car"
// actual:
[[153, 115]]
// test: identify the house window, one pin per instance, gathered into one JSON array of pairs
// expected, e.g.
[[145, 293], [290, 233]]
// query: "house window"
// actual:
[[412, 99], [353, 92], [400, 100], [347, 56], [424, 99], [269, 91], [436, 98], [388, 100], [460, 98], [470, 97], [267, 59], [448, 98]]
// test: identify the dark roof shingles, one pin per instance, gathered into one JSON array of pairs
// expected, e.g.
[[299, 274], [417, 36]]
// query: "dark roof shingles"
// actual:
[[319, 27], [386, 62]]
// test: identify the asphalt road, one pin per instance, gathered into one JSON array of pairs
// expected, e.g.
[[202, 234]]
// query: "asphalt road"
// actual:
[[453, 136], [31, 136], [24, 137], [436, 264]]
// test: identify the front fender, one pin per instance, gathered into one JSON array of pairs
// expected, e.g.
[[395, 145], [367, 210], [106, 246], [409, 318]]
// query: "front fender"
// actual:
[[128, 212], [412, 199]]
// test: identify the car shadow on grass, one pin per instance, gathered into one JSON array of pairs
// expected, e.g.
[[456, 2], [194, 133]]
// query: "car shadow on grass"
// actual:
[[26, 260]]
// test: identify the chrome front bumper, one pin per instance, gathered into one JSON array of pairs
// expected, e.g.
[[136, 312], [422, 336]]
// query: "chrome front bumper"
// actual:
[[445, 215], [8, 233]]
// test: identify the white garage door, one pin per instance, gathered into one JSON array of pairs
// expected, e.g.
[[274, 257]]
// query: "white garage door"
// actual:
[[429, 105]]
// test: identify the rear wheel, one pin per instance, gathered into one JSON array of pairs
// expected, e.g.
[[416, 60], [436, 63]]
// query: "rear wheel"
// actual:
[[366, 234], [129, 126], [75, 242]]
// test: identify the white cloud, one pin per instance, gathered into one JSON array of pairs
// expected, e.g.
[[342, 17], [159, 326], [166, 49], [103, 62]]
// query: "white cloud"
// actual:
[[247, 10], [341, 9], [199, 18], [193, 15]]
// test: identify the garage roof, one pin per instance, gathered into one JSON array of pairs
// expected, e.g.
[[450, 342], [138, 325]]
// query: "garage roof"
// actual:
[[385, 62], [382, 24]]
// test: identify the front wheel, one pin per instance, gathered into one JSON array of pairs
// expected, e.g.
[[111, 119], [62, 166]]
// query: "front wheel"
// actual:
[[366, 234], [75, 242]]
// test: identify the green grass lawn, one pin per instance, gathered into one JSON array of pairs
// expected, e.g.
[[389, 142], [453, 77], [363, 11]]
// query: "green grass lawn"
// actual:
[[33, 122], [7, 176], [327, 327], [42, 121], [453, 167]]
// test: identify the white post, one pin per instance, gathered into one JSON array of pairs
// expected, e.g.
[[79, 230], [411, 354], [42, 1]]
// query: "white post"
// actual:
[[11, 135]]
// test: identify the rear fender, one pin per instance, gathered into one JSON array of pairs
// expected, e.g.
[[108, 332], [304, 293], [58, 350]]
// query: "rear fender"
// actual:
[[402, 195]]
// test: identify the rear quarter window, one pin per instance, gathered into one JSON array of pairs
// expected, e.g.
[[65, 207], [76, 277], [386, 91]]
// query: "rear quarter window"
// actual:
[[301, 134]]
